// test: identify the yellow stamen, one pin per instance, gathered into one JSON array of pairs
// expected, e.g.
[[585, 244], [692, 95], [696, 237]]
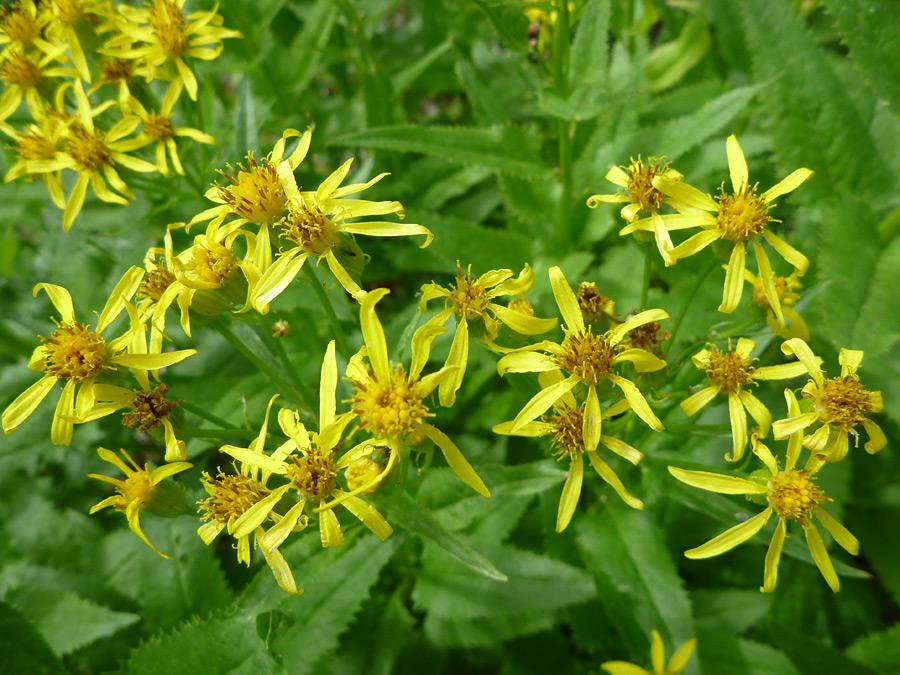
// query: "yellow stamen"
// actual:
[[586, 356], [742, 215], [522, 306], [728, 371], [158, 127], [75, 352], [18, 24], [115, 70], [388, 408], [213, 264], [648, 337], [313, 475], [88, 150], [842, 401], [167, 20], [155, 282], [255, 193], [567, 431], [33, 145], [309, 228], [362, 472], [230, 497], [18, 70], [590, 302], [793, 495], [468, 298], [149, 408], [640, 182]]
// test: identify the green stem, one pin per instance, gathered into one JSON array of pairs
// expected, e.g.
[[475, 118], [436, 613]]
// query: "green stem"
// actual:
[[737, 330], [648, 266], [197, 432], [204, 414], [336, 327], [689, 299], [282, 354], [690, 428], [560, 65]]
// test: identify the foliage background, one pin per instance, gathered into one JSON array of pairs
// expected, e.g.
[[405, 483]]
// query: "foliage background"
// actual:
[[448, 97]]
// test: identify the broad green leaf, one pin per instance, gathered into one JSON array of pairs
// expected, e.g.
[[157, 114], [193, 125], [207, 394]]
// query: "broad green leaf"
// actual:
[[505, 149], [245, 126], [485, 632], [721, 652], [627, 548], [880, 651], [734, 609], [304, 55], [485, 105], [587, 64], [875, 530], [376, 638], [669, 62], [813, 657], [404, 79], [23, 646], [871, 28]]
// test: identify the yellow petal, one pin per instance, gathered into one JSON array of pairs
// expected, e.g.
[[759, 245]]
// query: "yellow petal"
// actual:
[[758, 412], [788, 252], [622, 449], [565, 299], [685, 193], [571, 492], [657, 652], [531, 430], [694, 403], [734, 279], [369, 516], [542, 401], [388, 229], [767, 276], [609, 476], [342, 276], [644, 361], [120, 295], [850, 360], [820, 555], [330, 529], [61, 300], [716, 482], [276, 278], [623, 668], [784, 371], [773, 556], [328, 387], [638, 402], [276, 534], [591, 424], [877, 439], [459, 356], [283, 576], [737, 165], [789, 184], [257, 514], [695, 243], [26, 403], [525, 362], [76, 200], [422, 341], [730, 538], [153, 361], [61, 427], [522, 323], [331, 183], [738, 427], [373, 334], [804, 354], [840, 533], [681, 655], [455, 459], [518, 286], [617, 333]]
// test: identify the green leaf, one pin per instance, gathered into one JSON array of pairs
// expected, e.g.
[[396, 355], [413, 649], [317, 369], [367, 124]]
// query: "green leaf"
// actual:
[[871, 28], [244, 127], [485, 632], [216, 644], [305, 53], [485, 105], [66, 620], [404, 79], [876, 531], [881, 651], [671, 61], [812, 656], [379, 635], [627, 548], [505, 149], [734, 609], [587, 65], [23, 646], [722, 652]]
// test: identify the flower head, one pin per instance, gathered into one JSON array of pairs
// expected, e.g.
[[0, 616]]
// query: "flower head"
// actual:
[[142, 489], [792, 324], [597, 310], [474, 302], [731, 372], [658, 659], [839, 405]]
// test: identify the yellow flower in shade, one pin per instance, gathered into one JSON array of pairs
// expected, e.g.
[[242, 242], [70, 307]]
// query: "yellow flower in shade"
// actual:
[[28, 77], [389, 403], [732, 372], [153, 295], [21, 26], [791, 494], [566, 424], [67, 19], [38, 152], [78, 355], [839, 404], [316, 225], [657, 659], [163, 34], [785, 290], [307, 461], [586, 359], [640, 196], [158, 128], [474, 301], [597, 309], [736, 218], [234, 504], [142, 489]]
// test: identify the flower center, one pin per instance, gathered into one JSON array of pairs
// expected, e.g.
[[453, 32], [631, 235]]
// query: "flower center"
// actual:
[[590, 302], [88, 150], [586, 356], [18, 70], [134, 489], [568, 424], [468, 298], [388, 408], [794, 495], [640, 183], [18, 24], [155, 282], [255, 193], [759, 294], [309, 228], [213, 264], [230, 497], [167, 20], [522, 306], [75, 352], [742, 215], [158, 127], [34, 145], [116, 70], [313, 475], [728, 371], [68, 12], [149, 408], [362, 472], [842, 401], [648, 337]]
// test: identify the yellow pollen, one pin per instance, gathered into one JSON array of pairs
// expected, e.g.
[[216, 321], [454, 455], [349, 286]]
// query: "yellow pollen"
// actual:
[[568, 424], [167, 20], [469, 299], [842, 401], [255, 192], [362, 472], [149, 408], [309, 228], [794, 495], [590, 302], [135, 488], [522, 306], [388, 409], [640, 182], [230, 497], [158, 127], [18, 24], [18, 70], [728, 371], [115, 70], [34, 145], [155, 282], [313, 475], [213, 264], [586, 356], [88, 150], [743, 215], [74, 352]]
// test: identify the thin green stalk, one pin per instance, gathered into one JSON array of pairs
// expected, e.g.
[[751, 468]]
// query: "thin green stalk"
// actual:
[[648, 266], [336, 327], [197, 432], [689, 299], [282, 354], [737, 330], [204, 414], [560, 66]]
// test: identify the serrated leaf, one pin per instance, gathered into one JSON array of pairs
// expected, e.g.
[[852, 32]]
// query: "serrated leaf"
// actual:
[[484, 632], [629, 549], [216, 644], [721, 652], [587, 65], [23, 647], [813, 657], [485, 106], [505, 149], [871, 28], [881, 651], [66, 620], [305, 52], [730, 608], [376, 639]]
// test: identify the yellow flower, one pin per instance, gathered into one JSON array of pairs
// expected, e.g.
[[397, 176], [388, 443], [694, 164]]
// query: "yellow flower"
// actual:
[[389, 403], [736, 218], [234, 504], [731, 372], [164, 35], [586, 359], [839, 403], [791, 494], [473, 301], [21, 26], [642, 197], [658, 659], [27, 77], [67, 19], [79, 355], [307, 461], [597, 309], [154, 294], [158, 128], [787, 299], [566, 424], [316, 224], [141, 489], [38, 151]]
